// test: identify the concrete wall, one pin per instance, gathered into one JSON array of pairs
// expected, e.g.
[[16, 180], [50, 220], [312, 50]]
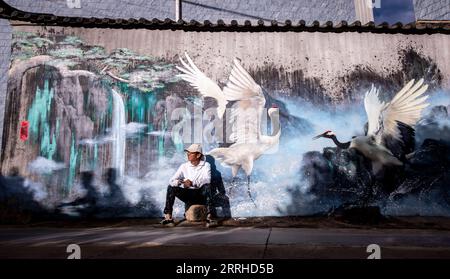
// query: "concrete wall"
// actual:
[[324, 56], [432, 9], [322, 10], [307, 75], [200, 10], [5, 52], [227, 10]]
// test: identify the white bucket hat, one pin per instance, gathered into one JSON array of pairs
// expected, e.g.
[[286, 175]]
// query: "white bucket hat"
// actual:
[[194, 148]]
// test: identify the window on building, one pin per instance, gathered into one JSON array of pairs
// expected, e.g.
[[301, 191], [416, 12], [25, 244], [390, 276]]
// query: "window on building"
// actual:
[[393, 11]]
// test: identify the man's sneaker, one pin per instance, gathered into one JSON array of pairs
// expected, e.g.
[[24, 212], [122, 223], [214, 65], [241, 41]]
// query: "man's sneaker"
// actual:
[[168, 222], [211, 223]]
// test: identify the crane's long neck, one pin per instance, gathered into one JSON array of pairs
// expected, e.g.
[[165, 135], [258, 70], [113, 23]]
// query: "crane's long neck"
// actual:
[[343, 145], [276, 129], [276, 126]]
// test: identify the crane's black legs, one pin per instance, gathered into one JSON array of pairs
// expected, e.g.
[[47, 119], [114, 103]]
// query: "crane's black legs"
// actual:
[[249, 192], [233, 185]]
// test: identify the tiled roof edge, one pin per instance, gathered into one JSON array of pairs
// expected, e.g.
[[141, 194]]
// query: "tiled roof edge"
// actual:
[[11, 13]]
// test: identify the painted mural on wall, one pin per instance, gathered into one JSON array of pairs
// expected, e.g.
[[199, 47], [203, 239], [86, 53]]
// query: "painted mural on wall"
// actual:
[[95, 133]]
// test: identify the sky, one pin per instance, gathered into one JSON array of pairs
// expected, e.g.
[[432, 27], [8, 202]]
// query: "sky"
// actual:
[[393, 11]]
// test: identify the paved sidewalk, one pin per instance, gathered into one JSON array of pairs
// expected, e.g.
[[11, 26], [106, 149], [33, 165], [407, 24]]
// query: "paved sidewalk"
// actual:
[[223, 242]]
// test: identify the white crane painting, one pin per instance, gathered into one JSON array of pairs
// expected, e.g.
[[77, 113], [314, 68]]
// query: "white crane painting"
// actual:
[[247, 103], [390, 133]]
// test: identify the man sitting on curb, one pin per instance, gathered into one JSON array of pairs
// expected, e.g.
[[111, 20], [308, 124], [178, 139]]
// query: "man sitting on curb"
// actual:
[[191, 184]]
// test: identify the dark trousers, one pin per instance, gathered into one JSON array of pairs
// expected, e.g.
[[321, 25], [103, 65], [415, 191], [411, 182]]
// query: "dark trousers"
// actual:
[[203, 195]]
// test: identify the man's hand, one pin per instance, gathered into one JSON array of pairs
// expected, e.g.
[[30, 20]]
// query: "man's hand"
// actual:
[[187, 183]]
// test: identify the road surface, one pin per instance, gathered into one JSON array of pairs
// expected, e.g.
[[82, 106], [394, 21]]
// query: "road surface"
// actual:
[[153, 242]]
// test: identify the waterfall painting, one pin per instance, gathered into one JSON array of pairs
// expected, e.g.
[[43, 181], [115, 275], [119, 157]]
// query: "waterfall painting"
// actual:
[[91, 131], [88, 111]]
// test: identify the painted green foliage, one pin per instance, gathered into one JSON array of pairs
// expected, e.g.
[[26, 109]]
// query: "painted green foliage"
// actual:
[[143, 72]]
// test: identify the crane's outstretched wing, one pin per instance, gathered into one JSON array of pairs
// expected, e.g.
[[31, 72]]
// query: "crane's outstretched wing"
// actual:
[[202, 83], [246, 112], [405, 107], [373, 107], [389, 121]]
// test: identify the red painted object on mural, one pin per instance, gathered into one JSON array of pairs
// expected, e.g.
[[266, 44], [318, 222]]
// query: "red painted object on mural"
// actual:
[[24, 130]]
